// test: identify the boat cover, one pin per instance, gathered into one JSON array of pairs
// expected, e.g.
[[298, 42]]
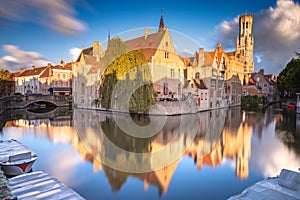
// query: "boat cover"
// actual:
[[12, 150], [286, 186], [40, 185]]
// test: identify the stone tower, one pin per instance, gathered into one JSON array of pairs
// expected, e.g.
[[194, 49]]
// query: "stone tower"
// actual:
[[245, 44]]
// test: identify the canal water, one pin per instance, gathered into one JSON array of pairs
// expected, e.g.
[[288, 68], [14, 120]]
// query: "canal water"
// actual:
[[209, 155]]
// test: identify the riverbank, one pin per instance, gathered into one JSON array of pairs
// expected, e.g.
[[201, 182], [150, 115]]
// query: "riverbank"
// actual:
[[167, 108]]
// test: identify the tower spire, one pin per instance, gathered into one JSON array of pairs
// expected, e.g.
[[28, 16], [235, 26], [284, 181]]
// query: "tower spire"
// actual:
[[161, 22]]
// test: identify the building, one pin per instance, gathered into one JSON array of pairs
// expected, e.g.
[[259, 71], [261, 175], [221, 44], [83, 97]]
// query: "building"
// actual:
[[168, 69], [45, 80], [233, 90], [27, 81], [240, 61], [197, 89], [261, 85], [57, 80], [86, 76]]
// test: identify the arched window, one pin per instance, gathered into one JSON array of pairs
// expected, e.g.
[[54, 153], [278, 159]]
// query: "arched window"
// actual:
[[247, 23]]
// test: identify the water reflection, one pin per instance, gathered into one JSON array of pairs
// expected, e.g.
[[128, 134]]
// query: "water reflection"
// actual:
[[106, 142], [254, 142]]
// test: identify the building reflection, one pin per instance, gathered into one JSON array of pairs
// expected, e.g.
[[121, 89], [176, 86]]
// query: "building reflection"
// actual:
[[207, 137]]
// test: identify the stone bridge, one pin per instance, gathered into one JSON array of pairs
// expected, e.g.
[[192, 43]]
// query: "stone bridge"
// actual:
[[20, 101]]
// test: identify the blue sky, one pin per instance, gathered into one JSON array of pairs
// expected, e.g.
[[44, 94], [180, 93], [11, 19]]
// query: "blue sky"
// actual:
[[35, 32]]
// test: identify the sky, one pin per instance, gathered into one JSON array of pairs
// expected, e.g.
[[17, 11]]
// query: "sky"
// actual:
[[37, 32]]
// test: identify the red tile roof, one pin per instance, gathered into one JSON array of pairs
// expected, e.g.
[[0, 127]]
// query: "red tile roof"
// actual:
[[32, 72], [151, 41], [208, 59]]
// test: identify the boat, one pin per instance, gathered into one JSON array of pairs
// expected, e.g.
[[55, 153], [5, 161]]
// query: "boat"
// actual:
[[15, 158], [285, 186], [40, 185]]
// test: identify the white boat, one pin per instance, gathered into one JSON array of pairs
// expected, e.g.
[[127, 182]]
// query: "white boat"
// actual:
[[285, 186], [40, 185], [15, 158]]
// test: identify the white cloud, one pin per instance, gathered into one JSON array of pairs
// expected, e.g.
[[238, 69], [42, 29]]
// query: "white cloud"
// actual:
[[186, 53], [19, 58], [74, 52], [57, 14], [276, 34]]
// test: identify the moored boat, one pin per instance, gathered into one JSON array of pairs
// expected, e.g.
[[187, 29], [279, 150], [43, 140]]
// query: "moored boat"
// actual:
[[15, 158]]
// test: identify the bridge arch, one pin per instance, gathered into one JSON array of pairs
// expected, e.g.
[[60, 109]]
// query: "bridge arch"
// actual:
[[40, 101]]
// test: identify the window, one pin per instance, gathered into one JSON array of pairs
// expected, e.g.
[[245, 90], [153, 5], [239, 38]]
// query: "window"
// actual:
[[165, 88], [201, 96], [178, 73], [167, 44], [179, 89], [185, 72], [172, 72], [64, 76], [213, 83], [166, 55], [265, 85], [205, 95], [220, 83], [58, 76], [197, 76], [192, 85], [247, 25]]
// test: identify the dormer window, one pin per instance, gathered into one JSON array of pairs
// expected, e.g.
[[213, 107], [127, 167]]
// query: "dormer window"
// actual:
[[150, 43]]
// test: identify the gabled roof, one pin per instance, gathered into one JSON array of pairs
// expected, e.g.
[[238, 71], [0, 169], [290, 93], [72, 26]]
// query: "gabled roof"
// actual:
[[145, 42], [208, 59], [187, 61], [251, 81], [46, 73], [32, 72], [200, 84], [149, 53], [86, 51]]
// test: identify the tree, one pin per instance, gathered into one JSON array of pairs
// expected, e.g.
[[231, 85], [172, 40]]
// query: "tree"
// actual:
[[288, 81], [6, 82], [127, 75], [115, 48], [109, 81]]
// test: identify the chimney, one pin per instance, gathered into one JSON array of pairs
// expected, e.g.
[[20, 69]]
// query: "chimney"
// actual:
[[262, 71], [201, 57], [49, 65], [147, 32], [96, 49], [33, 67]]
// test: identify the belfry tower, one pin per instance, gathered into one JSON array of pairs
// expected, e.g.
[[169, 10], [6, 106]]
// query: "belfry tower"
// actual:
[[245, 43]]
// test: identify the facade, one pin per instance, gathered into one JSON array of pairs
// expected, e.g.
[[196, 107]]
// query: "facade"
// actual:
[[233, 90], [198, 90], [168, 68], [210, 68], [57, 80], [86, 76], [45, 80], [261, 85], [27, 81], [240, 61]]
